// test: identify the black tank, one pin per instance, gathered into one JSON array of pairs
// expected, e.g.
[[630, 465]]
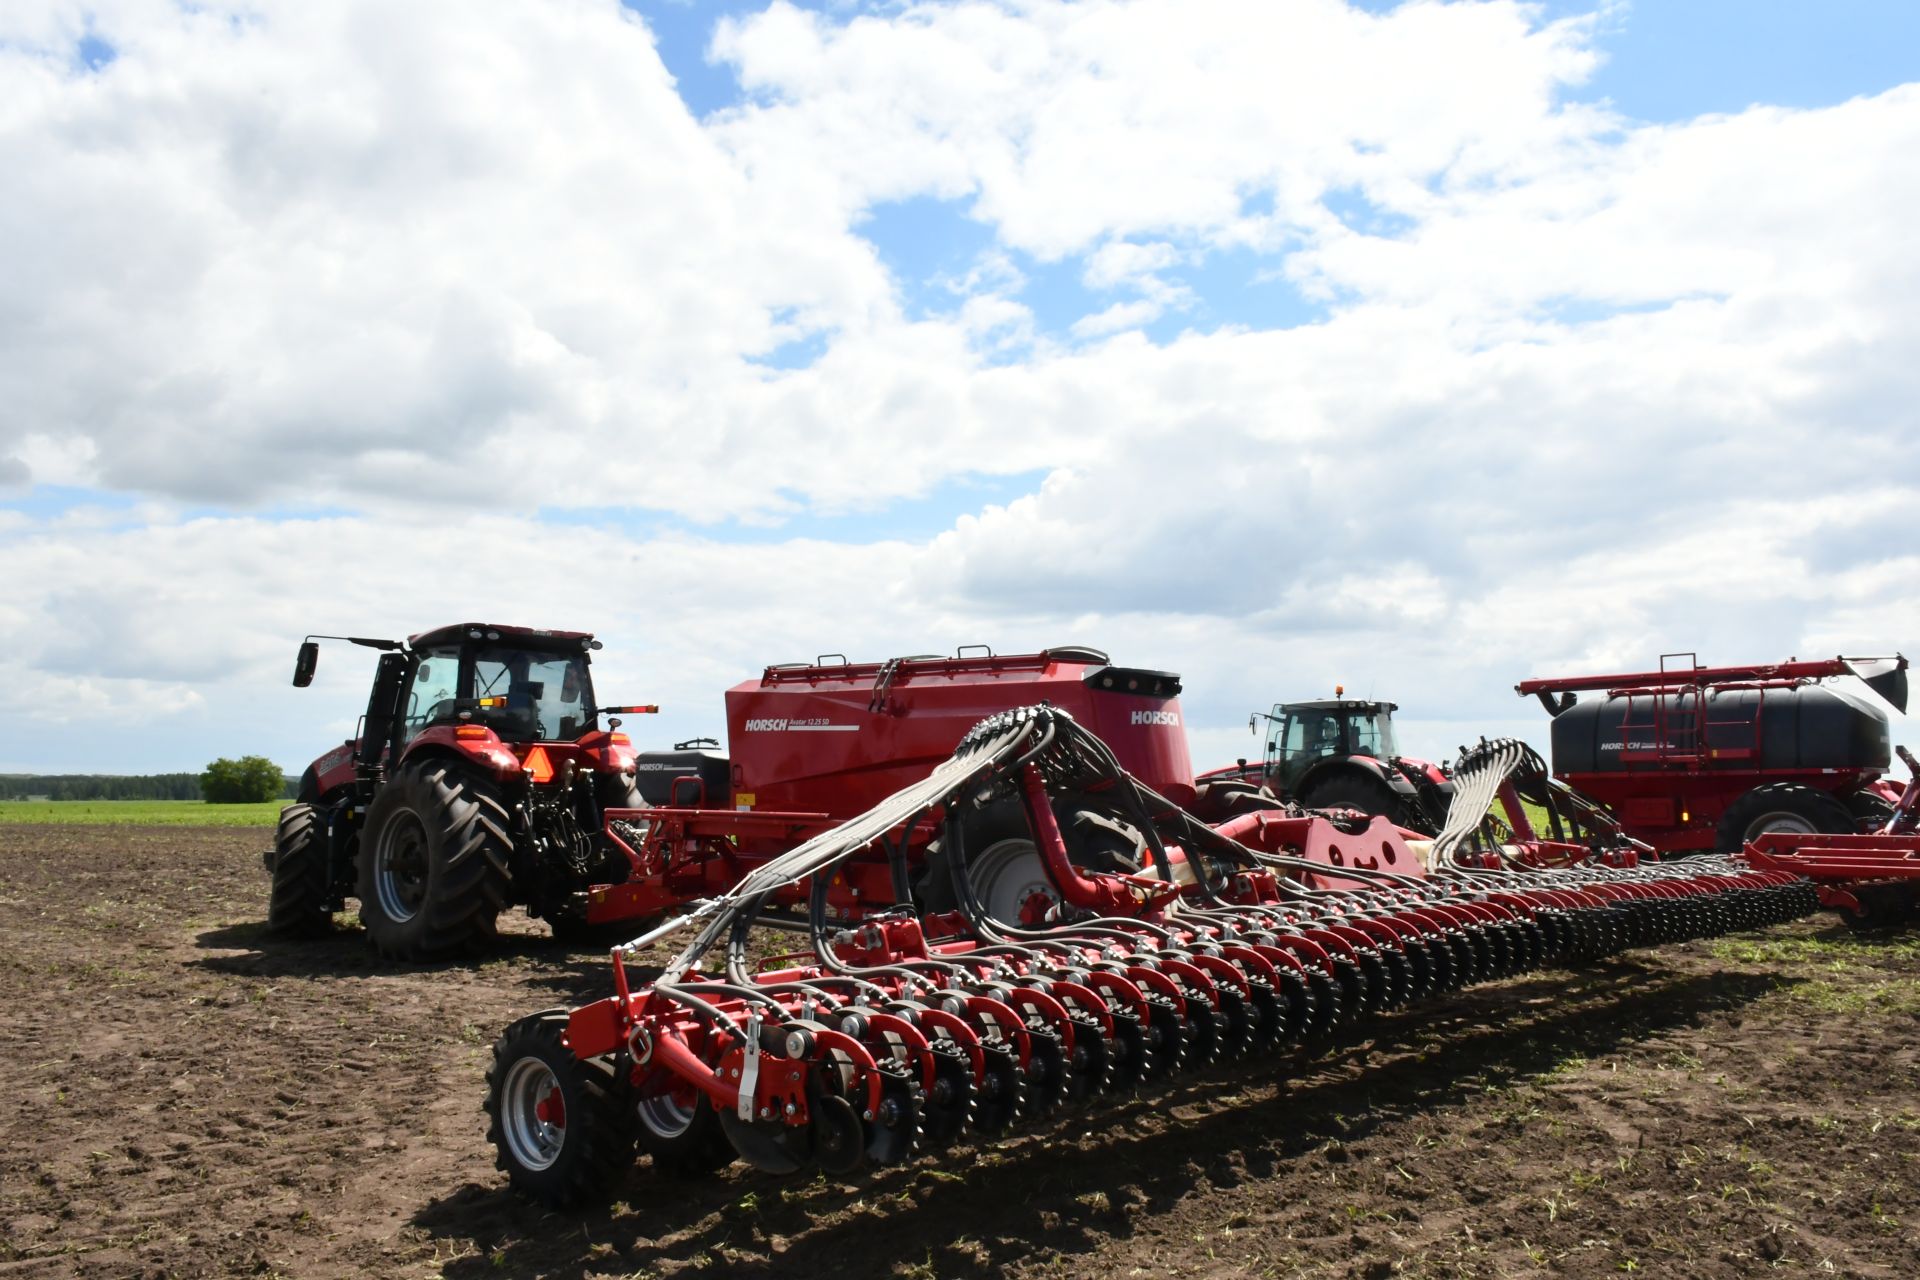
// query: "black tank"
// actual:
[[654, 772], [1809, 727]]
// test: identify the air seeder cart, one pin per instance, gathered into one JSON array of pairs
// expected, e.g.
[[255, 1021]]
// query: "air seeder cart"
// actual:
[[1691, 757]]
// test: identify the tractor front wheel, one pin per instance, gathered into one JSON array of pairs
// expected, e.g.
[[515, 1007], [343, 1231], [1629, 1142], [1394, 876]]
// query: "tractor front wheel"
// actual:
[[434, 863], [1781, 806], [298, 901], [1349, 788], [561, 1125]]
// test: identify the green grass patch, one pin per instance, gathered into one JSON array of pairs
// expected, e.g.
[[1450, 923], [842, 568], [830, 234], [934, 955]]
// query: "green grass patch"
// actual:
[[1836, 974], [1841, 951], [1900, 996], [139, 813]]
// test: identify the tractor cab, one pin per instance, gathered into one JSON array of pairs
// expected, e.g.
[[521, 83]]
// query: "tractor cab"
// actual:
[[1301, 735], [524, 688], [474, 689]]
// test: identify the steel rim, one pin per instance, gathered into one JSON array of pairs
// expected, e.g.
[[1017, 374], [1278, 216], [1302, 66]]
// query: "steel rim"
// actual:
[[1780, 821], [665, 1116], [400, 867], [534, 1141], [1006, 875]]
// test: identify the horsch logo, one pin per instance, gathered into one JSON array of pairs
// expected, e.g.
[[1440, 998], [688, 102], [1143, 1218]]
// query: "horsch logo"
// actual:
[[766, 726], [1157, 717]]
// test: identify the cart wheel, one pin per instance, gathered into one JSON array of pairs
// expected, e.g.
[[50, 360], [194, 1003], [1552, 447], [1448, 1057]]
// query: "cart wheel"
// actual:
[[680, 1132], [560, 1124]]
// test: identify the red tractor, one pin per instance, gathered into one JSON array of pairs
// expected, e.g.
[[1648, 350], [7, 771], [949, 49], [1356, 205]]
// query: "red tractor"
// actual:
[[1693, 758], [477, 781], [485, 775], [1338, 753]]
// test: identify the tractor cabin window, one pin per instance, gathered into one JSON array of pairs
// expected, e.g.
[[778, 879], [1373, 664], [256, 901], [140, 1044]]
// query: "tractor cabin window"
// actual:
[[435, 691], [548, 695], [1373, 736]]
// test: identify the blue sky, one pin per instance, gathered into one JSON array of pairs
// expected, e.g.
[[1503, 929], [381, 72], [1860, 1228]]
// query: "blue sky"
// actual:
[[1665, 61]]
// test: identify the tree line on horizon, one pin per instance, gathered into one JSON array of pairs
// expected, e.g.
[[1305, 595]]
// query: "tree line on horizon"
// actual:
[[115, 786]]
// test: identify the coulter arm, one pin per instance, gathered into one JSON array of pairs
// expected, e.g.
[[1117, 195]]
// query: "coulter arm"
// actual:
[[902, 1034]]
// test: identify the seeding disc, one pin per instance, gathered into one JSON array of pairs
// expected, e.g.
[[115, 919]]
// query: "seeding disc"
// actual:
[[1233, 1024], [949, 1108], [839, 1144], [1088, 1073], [1167, 1041], [1266, 1021], [895, 1131], [771, 1147], [1130, 1054], [1000, 1092], [1048, 1074]]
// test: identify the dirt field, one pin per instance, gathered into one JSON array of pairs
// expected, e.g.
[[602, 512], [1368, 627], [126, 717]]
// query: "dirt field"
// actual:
[[191, 1098]]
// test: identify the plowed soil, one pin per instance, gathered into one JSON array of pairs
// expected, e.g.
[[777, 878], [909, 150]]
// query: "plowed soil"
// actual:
[[189, 1097]]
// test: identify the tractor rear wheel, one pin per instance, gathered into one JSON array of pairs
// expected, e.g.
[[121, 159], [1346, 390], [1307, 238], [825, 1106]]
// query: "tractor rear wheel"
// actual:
[[1225, 798], [1781, 806], [984, 829], [1008, 876], [434, 862], [297, 903], [560, 1125], [1003, 866], [1351, 789]]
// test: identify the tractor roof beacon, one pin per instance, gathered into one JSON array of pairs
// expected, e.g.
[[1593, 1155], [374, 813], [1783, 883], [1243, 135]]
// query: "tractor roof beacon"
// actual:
[[478, 780]]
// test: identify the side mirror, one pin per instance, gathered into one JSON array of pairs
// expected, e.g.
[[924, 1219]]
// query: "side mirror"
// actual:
[[1253, 722], [304, 664]]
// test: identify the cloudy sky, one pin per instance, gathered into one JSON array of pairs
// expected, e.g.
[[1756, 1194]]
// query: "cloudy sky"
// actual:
[[1420, 347]]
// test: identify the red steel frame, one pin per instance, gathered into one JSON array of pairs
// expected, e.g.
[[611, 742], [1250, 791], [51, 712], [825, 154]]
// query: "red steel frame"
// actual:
[[1845, 866]]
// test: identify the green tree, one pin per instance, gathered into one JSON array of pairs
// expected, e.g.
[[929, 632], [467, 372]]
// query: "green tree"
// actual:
[[248, 780]]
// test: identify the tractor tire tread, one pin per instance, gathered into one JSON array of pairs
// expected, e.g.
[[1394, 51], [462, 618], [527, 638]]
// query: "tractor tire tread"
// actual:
[[297, 901], [1351, 789], [469, 887]]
